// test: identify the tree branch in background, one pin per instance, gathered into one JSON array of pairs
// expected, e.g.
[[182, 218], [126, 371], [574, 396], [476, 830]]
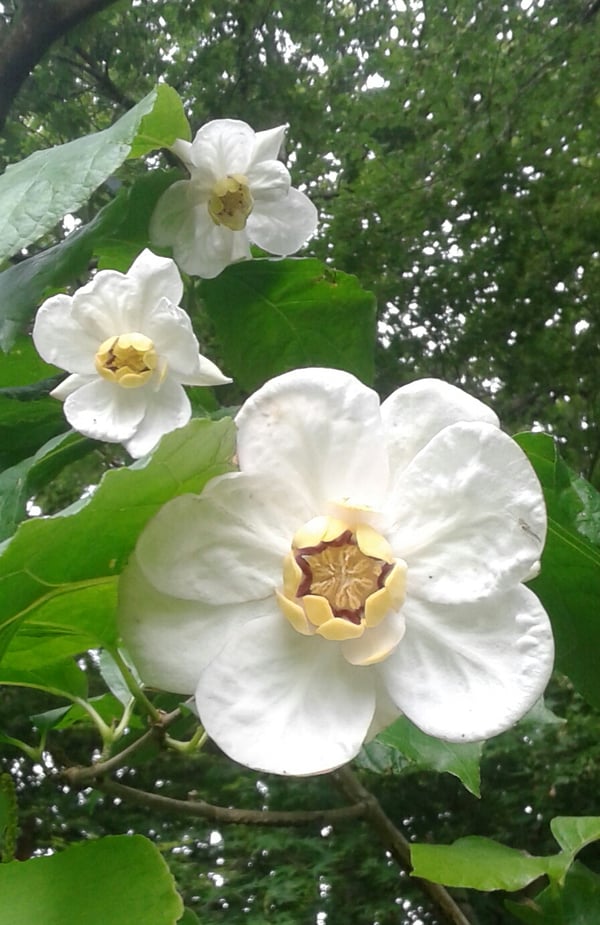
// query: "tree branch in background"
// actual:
[[396, 843], [35, 28]]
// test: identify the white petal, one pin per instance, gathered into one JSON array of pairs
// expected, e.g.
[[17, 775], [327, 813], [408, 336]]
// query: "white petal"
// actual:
[[183, 150], [71, 384], [416, 412], [469, 515], [173, 214], [267, 144], [376, 643], [157, 278], [105, 411], [171, 330], [226, 145], [224, 546], [205, 249], [171, 639], [281, 702], [269, 181], [108, 305], [283, 226], [467, 672], [60, 339], [167, 408], [319, 433]]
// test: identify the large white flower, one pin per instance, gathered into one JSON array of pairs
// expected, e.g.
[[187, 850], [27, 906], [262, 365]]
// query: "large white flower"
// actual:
[[366, 561], [129, 347], [238, 194]]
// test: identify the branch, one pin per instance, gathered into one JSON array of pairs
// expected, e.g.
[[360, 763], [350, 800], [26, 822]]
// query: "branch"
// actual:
[[395, 842], [225, 814], [35, 28]]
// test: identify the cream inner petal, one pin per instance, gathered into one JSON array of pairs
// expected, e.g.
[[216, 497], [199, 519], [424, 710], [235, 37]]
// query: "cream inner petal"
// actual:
[[231, 202], [129, 360], [341, 581]]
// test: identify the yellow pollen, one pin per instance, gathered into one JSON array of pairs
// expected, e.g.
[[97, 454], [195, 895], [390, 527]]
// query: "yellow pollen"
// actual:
[[231, 202], [130, 359]]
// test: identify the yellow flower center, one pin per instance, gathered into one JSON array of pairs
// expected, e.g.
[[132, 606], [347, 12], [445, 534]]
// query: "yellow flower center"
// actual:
[[231, 202], [339, 579], [129, 360]]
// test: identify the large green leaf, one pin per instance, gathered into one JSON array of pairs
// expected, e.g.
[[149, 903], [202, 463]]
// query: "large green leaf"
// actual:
[[119, 880], [483, 864], [61, 571], [274, 315], [402, 747], [569, 581], [19, 482], [477, 863], [116, 235], [36, 193], [575, 903]]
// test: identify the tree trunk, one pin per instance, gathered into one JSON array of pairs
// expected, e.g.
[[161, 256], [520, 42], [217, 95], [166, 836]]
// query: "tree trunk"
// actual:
[[35, 27]]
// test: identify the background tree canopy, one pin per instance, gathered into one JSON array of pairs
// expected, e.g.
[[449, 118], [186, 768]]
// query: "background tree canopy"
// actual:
[[452, 151]]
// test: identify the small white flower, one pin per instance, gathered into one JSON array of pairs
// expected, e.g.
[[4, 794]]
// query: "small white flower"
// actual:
[[366, 561], [238, 194], [129, 347]]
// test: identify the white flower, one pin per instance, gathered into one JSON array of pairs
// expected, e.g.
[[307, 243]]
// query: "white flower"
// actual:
[[366, 561], [238, 194], [128, 347]]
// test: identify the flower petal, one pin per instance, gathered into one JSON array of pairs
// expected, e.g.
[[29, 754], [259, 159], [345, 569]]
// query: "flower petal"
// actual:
[[467, 672], [108, 305], [267, 144], [226, 145], [173, 214], [204, 249], [105, 411], [470, 515], [171, 330], [224, 546], [416, 412], [377, 642], [281, 227], [71, 384], [167, 408], [269, 181], [281, 702], [317, 432], [157, 278], [60, 339], [171, 639]]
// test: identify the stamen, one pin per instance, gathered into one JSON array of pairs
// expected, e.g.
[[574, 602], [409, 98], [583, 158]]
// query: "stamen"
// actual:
[[129, 360], [231, 202]]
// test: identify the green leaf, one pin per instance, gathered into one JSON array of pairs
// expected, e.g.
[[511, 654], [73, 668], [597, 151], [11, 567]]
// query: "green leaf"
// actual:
[[476, 863], [576, 903], [115, 236], [27, 424], [569, 581], [483, 864], [23, 364], [271, 316], [107, 707], [19, 482], [118, 880], [60, 572], [163, 125], [188, 918], [36, 193], [575, 832], [428, 753]]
